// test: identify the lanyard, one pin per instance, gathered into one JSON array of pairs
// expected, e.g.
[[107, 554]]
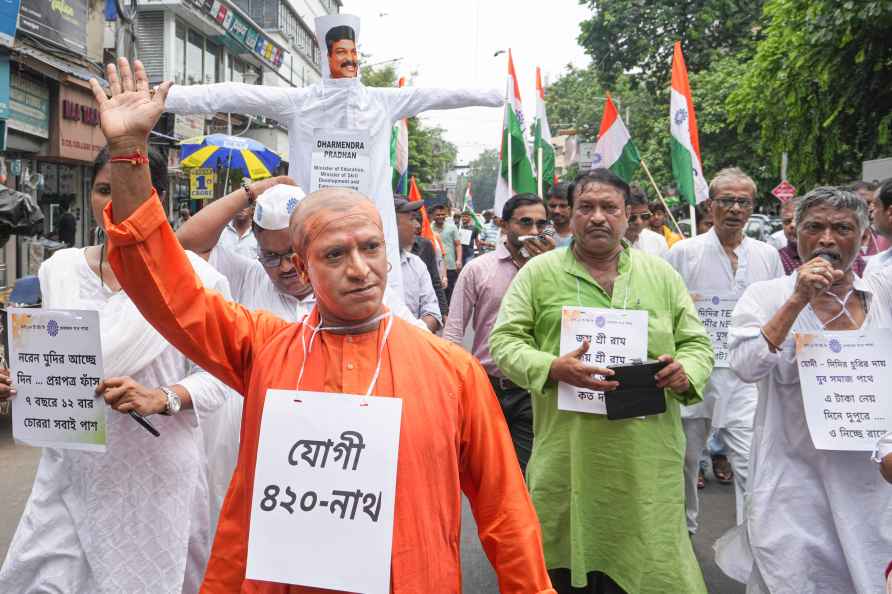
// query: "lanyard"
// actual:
[[320, 327]]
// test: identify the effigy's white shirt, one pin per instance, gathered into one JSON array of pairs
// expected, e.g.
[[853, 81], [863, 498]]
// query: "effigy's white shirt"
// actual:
[[343, 103]]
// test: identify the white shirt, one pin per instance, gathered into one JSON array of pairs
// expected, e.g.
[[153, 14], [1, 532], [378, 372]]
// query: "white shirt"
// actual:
[[817, 521], [705, 267], [418, 289], [334, 103], [651, 243], [878, 262], [244, 244], [778, 239]]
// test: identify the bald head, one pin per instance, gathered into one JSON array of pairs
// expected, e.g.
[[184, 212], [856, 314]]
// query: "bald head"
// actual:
[[323, 208]]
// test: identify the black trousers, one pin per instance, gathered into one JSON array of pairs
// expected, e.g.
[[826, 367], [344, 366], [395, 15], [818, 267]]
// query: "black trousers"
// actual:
[[451, 279], [518, 410], [598, 583]]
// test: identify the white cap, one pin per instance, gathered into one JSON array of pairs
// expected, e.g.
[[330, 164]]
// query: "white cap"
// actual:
[[273, 208]]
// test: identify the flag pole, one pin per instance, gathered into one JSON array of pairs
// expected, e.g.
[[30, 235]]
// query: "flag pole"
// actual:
[[693, 220], [508, 138], [660, 196], [539, 171]]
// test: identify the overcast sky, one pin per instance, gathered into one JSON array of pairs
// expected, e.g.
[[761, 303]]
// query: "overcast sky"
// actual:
[[451, 44]]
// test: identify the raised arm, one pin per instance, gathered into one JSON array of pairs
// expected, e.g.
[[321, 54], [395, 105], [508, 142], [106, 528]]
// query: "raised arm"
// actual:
[[149, 262], [410, 101], [202, 231], [273, 102], [490, 477]]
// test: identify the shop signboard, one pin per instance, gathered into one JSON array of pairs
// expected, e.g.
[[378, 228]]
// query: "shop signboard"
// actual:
[[29, 106], [63, 22], [9, 12]]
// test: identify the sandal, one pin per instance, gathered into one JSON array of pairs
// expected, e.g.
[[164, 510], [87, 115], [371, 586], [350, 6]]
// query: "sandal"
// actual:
[[701, 479], [721, 468]]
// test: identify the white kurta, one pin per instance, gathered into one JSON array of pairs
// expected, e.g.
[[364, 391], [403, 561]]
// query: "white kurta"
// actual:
[[134, 519], [242, 243], [878, 262], [705, 267], [334, 103], [817, 522], [651, 243], [778, 239]]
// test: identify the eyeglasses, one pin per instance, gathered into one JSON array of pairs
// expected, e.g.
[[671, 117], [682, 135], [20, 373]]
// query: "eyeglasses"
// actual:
[[528, 222], [272, 259], [645, 216], [728, 202]]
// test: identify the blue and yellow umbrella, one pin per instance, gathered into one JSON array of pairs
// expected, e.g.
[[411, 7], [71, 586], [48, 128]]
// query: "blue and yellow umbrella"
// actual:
[[219, 151]]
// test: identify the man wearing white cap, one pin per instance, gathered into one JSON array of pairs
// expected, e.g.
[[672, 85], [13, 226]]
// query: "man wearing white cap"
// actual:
[[270, 282]]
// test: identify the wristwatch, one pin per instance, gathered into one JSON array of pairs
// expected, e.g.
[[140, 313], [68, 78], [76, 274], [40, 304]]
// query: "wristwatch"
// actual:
[[173, 402]]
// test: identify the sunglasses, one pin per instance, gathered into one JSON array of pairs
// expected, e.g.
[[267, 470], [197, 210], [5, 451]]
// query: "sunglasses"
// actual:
[[527, 222], [643, 216]]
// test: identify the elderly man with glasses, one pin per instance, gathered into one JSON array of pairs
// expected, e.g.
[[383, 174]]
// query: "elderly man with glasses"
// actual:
[[722, 263], [817, 520]]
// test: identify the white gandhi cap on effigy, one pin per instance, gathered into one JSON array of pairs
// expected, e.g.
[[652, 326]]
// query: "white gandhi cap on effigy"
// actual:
[[273, 208]]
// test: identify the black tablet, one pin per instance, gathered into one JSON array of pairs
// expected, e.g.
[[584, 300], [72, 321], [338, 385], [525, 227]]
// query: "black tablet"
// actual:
[[637, 394]]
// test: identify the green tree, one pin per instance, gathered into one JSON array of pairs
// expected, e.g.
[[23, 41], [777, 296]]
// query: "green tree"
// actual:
[[430, 154], [626, 36], [820, 87], [482, 176]]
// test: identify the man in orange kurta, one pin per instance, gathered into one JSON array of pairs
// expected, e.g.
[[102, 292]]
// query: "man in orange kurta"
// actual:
[[453, 436]]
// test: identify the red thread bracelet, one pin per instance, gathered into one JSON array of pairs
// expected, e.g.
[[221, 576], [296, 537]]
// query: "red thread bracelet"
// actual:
[[134, 159]]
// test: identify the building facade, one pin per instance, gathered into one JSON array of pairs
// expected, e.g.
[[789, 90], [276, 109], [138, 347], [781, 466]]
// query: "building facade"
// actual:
[[49, 122]]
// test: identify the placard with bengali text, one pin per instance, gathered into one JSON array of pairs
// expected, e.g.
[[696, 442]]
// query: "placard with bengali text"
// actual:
[[845, 379], [714, 310], [55, 360], [324, 491], [615, 336]]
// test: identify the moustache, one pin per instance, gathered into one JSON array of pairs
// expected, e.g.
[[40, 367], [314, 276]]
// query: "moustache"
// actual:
[[349, 63]]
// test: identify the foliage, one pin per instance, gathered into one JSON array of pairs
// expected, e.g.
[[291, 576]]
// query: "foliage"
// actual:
[[820, 87], [430, 154], [482, 175], [637, 36]]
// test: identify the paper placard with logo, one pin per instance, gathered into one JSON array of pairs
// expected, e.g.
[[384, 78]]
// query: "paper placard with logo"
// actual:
[[201, 184], [845, 379], [714, 310], [340, 160], [55, 359], [615, 336], [324, 491], [465, 236]]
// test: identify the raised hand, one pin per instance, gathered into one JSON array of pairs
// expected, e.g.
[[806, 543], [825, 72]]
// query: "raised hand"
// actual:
[[133, 109]]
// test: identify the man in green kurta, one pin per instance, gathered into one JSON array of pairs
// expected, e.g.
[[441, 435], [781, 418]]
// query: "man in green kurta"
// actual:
[[609, 494]]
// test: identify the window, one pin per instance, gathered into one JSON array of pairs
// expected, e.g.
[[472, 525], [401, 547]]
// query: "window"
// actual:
[[301, 36], [197, 60], [194, 59], [179, 67], [211, 60]]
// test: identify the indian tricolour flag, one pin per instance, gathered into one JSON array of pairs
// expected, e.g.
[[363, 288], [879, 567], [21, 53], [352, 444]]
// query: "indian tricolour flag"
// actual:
[[687, 166], [615, 150], [514, 162], [468, 207], [543, 152]]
